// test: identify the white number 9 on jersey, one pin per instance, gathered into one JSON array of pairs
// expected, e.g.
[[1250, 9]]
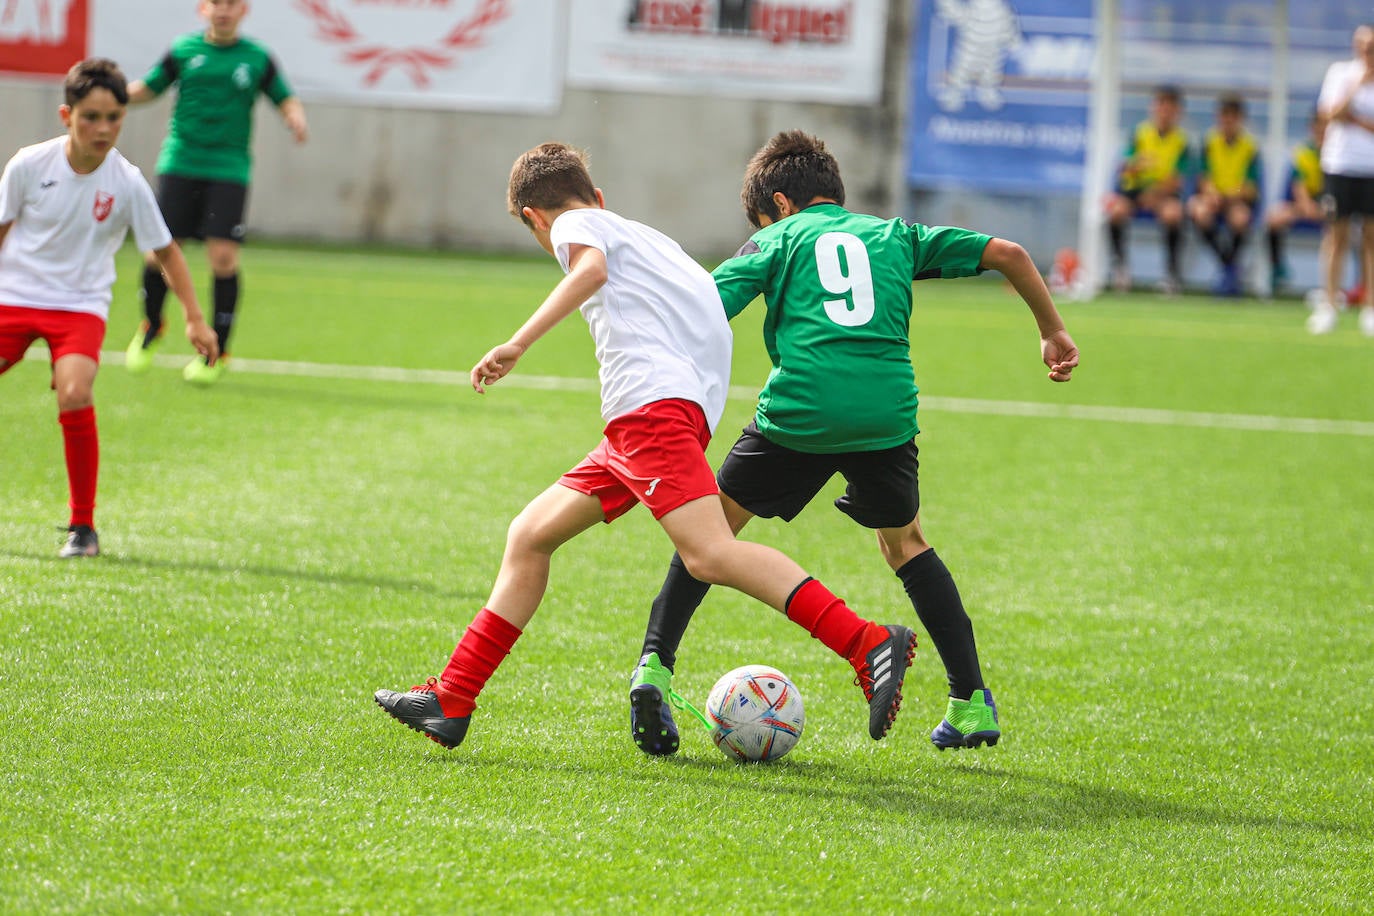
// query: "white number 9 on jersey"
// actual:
[[856, 283]]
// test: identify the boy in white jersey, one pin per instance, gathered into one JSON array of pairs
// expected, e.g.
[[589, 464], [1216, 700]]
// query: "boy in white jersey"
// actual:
[[65, 207], [663, 344]]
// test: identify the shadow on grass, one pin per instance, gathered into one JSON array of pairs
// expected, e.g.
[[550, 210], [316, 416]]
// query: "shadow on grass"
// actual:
[[1002, 797], [251, 569]]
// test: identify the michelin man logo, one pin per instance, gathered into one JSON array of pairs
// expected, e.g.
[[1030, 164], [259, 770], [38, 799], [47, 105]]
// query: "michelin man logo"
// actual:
[[39, 21], [986, 31]]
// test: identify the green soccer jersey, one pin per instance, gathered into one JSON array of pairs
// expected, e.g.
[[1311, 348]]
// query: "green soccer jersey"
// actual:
[[837, 286], [211, 129]]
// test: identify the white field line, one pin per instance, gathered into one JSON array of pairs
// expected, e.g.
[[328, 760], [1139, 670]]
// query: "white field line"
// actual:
[[1140, 415]]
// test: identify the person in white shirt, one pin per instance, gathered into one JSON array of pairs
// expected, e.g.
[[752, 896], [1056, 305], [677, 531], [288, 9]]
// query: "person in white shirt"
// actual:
[[65, 208], [1346, 107], [663, 344]]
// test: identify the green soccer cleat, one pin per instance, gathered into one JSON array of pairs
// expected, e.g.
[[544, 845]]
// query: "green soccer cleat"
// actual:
[[651, 719], [968, 723], [138, 357], [198, 373]]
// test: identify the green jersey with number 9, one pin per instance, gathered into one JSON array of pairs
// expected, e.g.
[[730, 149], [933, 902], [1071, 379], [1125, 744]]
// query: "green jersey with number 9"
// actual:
[[837, 286]]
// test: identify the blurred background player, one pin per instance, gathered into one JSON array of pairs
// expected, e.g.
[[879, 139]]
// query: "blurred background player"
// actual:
[[1346, 105], [1227, 190], [663, 343], [1158, 161], [841, 399], [65, 208], [206, 162], [1301, 202]]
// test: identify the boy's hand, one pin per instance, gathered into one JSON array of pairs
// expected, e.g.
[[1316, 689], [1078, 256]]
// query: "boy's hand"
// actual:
[[1060, 354], [204, 339], [497, 364]]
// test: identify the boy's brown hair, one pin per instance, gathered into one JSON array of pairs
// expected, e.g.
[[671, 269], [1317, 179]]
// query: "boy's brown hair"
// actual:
[[798, 165], [549, 176], [91, 74], [1231, 103]]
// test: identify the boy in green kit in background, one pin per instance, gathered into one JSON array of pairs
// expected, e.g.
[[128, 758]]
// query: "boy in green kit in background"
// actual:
[[841, 398], [206, 162]]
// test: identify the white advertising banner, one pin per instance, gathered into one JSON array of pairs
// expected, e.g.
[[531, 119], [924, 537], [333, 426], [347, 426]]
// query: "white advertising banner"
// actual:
[[804, 50], [495, 55]]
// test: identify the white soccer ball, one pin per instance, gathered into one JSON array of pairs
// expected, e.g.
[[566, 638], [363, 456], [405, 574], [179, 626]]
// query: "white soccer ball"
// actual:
[[756, 713]]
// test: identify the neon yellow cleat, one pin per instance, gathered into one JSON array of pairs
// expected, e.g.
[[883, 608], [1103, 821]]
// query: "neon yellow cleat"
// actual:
[[197, 373], [138, 358]]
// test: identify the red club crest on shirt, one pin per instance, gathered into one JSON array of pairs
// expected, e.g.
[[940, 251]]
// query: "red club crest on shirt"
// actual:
[[104, 203]]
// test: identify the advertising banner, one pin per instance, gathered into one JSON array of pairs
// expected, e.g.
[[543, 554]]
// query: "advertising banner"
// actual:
[[1000, 94], [42, 37], [501, 55], [816, 51]]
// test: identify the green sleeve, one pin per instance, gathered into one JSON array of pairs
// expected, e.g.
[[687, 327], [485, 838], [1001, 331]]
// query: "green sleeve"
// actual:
[[275, 85], [1252, 173], [742, 278], [162, 74], [946, 252]]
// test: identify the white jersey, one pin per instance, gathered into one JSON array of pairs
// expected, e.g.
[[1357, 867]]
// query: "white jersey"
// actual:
[[1347, 149], [658, 322], [60, 250]]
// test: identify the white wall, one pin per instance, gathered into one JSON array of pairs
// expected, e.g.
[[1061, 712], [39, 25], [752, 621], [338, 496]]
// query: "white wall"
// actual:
[[438, 179]]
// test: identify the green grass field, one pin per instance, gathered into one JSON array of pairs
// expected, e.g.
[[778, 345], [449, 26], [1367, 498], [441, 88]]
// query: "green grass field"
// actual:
[[1168, 569]]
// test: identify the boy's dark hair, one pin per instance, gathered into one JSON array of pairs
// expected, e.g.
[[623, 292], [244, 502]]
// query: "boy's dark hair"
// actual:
[[95, 73], [1169, 92], [798, 165], [548, 177], [1231, 103]]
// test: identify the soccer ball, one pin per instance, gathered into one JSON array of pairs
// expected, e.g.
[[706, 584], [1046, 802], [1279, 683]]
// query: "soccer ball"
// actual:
[[756, 713]]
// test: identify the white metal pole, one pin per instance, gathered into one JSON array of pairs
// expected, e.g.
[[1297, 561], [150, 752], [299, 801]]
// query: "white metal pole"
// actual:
[[1276, 140], [1104, 130]]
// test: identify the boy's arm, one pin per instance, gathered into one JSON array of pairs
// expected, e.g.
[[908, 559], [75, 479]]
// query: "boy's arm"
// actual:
[[4, 231], [1056, 346], [201, 336], [140, 92], [586, 275], [293, 113]]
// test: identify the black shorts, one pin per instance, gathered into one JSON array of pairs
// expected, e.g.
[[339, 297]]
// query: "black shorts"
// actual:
[[773, 481], [1348, 195], [200, 208]]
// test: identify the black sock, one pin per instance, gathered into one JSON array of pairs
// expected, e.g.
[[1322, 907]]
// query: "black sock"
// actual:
[[1237, 243], [1173, 242], [1275, 248], [154, 295], [1209, 235], [672, 610], [933, 593], [226, 298], [1118, 236]]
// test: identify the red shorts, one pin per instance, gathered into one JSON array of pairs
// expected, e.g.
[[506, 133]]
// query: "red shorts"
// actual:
[[655, 455], [66, 332]]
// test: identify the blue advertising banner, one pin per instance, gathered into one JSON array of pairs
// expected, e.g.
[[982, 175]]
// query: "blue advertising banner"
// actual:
[[1000, 94]]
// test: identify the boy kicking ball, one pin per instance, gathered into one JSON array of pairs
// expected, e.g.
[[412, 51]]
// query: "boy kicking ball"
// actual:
[[663, 343]]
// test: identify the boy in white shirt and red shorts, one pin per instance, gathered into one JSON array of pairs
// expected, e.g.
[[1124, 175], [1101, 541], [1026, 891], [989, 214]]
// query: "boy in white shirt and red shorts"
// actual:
[[65, 208]]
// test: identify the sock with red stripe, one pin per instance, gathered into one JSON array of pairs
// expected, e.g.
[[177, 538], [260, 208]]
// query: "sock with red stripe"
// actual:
[[81, 444], [484, 646], [830, 620]]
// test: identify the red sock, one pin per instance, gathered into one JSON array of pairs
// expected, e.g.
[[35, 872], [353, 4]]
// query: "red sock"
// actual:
[[484, 646], [831, 621], [82, 446]]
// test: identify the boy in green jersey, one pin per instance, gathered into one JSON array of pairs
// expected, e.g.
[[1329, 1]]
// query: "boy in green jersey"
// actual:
[[206, 162], [841, 398]]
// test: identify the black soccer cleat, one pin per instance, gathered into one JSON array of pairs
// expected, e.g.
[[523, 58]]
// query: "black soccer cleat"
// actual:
[[81, 542], [419, 709], [881, 675]]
